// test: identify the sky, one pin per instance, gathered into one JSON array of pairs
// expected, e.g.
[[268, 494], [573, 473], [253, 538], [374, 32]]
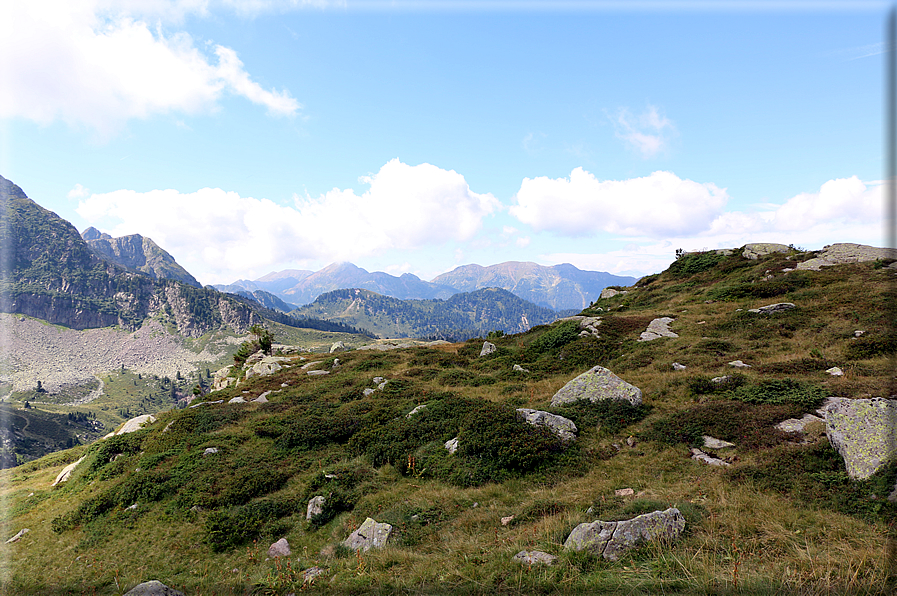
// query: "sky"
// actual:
[[251, 136]]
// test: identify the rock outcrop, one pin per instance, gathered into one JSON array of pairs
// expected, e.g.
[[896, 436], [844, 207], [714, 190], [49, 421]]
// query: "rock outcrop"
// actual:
[[845, 252], [760, 249], [369, 535], [612, 539], [135, 424], [862, 432], [66, 472], [488, 348], [315, 507], [560, 426], [658, 328], [595, 385], [153, 588]]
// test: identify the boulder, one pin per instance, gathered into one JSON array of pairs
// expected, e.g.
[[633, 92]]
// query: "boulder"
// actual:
[[317, 373], [254, 358], [66, 472], [488, 348], [739, 364], [337, 347], [712, 443], [698, 455], [153, 588], [837, 254], [677, 366], [611, 539], [759, 249], [369, 535], [452, 445], [368, 391], [315, 507], [518, 368], [597, 384], [560, 426], [135, 424], [281, 548], [610, 293], [210, 451], [771, 308], [862, 432], [416, 410], [835, 371], [658, 328], [18, 536], [534, 557], [237, 400]]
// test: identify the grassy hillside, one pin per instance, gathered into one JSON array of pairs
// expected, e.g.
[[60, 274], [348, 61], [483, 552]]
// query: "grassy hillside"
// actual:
[[783, 519]]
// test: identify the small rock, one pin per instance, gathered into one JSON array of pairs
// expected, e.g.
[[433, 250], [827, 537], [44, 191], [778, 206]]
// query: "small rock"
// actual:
[[535, 557], [66, 472], [416, 410], [698, 455], [452, 445], [488, 348], [337, 347], [560, 426], [132, 507], [281, 548], [210, 451], [368, 391], [624, 492], [835, 371], [631, 441], [677, 366], [370, 535], [310, 574], [739, 364], [261, 399], [858, 333], [317, 373], [610, 293], [506, 520], [771, 308], [237, 400], [153, 588], [611, 539], [518, 368], [18, 536], [315, 507], [378, 380], [135, 424], [658, 328], [263, 395], [722, 379], [712, 443]]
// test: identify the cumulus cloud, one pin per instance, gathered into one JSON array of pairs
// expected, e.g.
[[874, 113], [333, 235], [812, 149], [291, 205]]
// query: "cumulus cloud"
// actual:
[[647, 133], [220, 236], [658, 205], [99, 63]]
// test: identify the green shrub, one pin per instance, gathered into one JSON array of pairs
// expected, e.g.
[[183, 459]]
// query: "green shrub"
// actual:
[[693, 263], [555, 338], [871, 347], [608, 415], [702, 385], [236, 526], [780, 391]]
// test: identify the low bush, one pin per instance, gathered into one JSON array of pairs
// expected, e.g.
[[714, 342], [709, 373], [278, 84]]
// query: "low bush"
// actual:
[[780, 391], [703, 385], [555, 338], [864, 348], [692, 263], [238, 525], [608, 416]]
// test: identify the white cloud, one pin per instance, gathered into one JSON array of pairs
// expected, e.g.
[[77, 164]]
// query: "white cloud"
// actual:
[[658, 205], [79, 192], [99, 63], [219, 236], [648, 133]]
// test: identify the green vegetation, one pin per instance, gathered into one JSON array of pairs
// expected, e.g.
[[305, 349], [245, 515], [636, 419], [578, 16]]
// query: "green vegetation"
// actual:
[[204, 491]]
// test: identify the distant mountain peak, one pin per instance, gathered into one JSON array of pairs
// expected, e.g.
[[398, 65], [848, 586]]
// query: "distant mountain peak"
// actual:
[[139, 253]]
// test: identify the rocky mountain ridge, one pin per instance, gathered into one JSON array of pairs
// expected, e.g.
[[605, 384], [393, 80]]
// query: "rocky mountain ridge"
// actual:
[[140, 253]]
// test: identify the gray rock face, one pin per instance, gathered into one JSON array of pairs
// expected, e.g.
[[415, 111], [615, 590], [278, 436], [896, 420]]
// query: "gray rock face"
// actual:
[[771, 308], [534, 557], [612, 539], [760, 249], [135, 424], [597, 384], [153, 588], [281, 548], [862, 432], [488, 348], [369, 535], [560, 426], [658, 328], [315, 507], [837, 254], [66, 472]]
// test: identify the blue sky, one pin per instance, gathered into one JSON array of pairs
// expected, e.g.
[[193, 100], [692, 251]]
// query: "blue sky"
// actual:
[[247, 137]]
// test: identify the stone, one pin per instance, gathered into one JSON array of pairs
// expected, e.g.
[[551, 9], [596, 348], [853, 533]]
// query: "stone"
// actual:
[[452, 445], [256, 357], [837, 254], [677, 366], [266, 366], [518, 368], [797, 425], [261, 399], [858, 333], [862, 432], [534, 557], [560, 426], [612, 539], [712, 443], [281, 548], [658, 328], [624, 492], [315, 507], [135, 424], [222, 379], [610, 293], [368, 391], [382, 385], [722, 379], [771, 308], [506, 520], [237, 400], [210, 451], [153, 588], [597, 384], [66, 472], [835, 371], [317, 373], [759, 249], [370, 535], [739, 364], [416, 410], [18, 536], [698, 455], [488, 348], [311, 574], [337, 347], [207, 403]]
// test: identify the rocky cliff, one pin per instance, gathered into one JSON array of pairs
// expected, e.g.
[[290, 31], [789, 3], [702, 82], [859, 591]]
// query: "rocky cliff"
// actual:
[[140, 253]]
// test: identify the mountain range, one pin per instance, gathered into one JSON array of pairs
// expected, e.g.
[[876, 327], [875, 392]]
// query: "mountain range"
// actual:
[[559, 287]]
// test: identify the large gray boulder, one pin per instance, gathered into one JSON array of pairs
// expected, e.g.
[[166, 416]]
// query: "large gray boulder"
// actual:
[[266, 366], [369, 535], [281, 548], [66, 472], [760, 249], [560, 426], [771, 308], [315, 507], [658, 328], [488, 348], [135, 424], [595, 385], [863, 432], [846, 252], [612, 539], [153, 588]]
